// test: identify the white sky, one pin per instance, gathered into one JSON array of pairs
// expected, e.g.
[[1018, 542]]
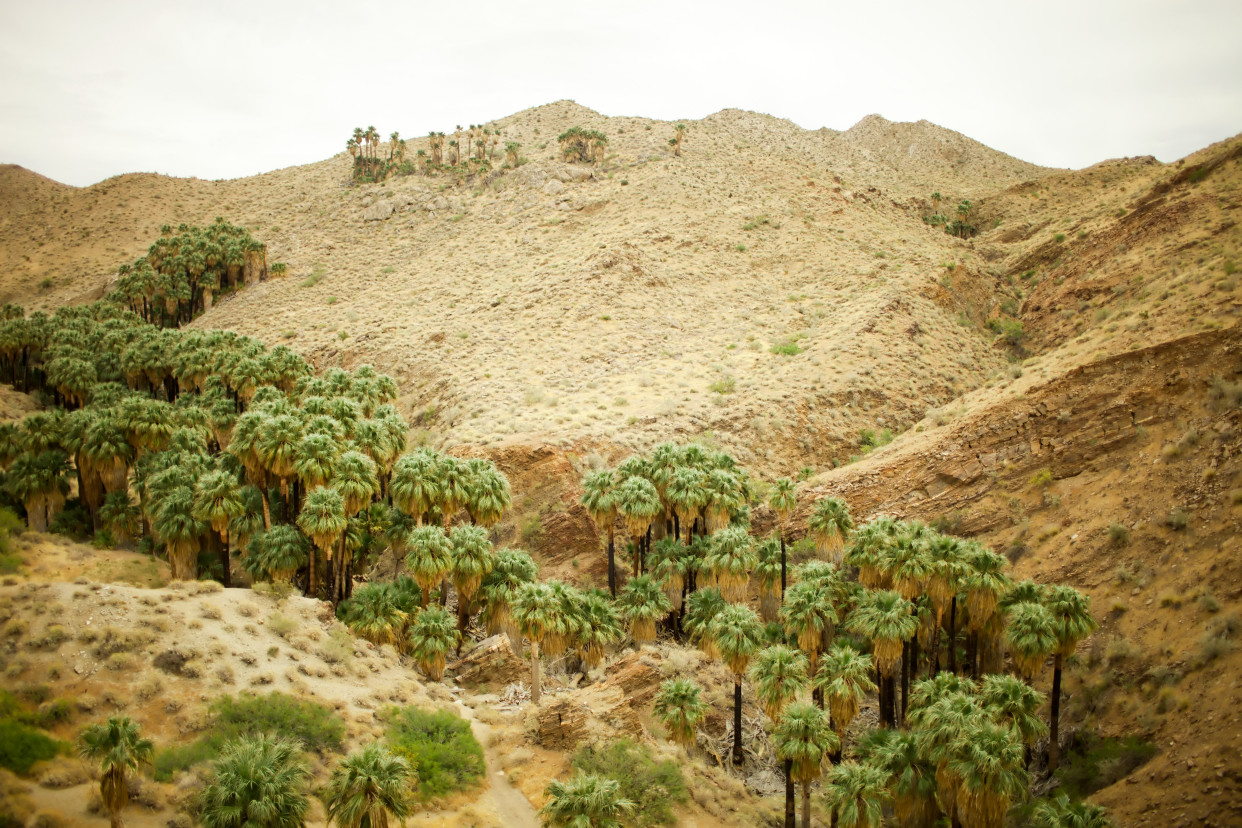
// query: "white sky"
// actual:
[[94, 88]]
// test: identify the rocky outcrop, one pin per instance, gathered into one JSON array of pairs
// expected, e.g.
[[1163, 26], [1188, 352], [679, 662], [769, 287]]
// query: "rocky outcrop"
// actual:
[[589, 715], [491, 662], [637, 675]]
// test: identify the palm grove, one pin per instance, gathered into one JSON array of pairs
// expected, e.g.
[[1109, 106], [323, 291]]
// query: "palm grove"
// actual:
[[220, 454]]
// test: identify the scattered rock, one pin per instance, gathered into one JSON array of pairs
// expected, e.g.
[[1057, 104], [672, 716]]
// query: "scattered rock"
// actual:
[[554, 187], [378, 211]]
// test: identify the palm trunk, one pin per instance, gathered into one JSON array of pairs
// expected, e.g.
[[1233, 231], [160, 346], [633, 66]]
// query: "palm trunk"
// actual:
[[463, 620], [806, 804], [225, 563], [953, 635], [905, 679], [790, 816], [267, 509], [1054, 731], [612, 563], [737, 721], [310, 574], [443, 593], [784, 579], [534, 672]]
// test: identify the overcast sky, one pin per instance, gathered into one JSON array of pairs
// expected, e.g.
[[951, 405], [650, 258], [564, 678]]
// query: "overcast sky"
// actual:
[[91, 89]]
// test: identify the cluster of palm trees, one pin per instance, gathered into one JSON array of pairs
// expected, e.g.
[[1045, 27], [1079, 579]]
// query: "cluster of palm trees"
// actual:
[[181, 273], [925, 619], [583, 145], [206, 442], [261, 781], [370, 165]]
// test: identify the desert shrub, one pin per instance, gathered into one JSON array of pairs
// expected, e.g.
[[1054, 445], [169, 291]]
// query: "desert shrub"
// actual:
[[22, 746], [339, 646], [654, 787], [281, 625], [1092, 762], [787, 347], [1224, 394], [1041, 478], [1118, 534], [439, 745], [316, 727], [1177, 518]]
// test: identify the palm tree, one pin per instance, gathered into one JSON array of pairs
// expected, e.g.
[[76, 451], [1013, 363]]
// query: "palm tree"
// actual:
[[779, 674], [783, 500], [856, 794], [370, 787], [737, 633], [473, 558], [687, 495], [830, 523], [585, 801], [844, 677], [804, 738], [679, 135], [639, 504], [990, 764], [941, 727], [730, 560], [702, 607], [768, 576], [373, 613], [430, 557], [1014, 703], [600, 626], [513, 568], [1031, 633], [643, 602], [258, 782], [217, 500], [175, 524], [535, 609], [598, 498], [911, 777], [1060, 812], [119, 748], [680, 706], [415, 486], [808, 615], [1072, 622], [886, 618], [277, 554], [431, 636], [323, 519]]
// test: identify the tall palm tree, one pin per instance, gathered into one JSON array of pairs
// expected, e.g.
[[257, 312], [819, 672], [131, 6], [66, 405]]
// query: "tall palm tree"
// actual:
[[323, 519], [804, 738], [119, 748], [643, 602], [737, 632], [431, 636], [783, 499], [174, 523], [369, 788], [599, 501], [1072, 622], [415, 486], [1031, 633], [830, 523], [373, 613], [886, 619], [535, 609], [277, 554], [638, 503], [1014, 703], [217, 500], [473, 558], [768, 577], [585, 801], [257, 782], [730, 560], [808, 615], [513, 568], [600, 626], [779, 674], [844, 677], [429, 557], [856, 794], [680, 706], [687, 495]]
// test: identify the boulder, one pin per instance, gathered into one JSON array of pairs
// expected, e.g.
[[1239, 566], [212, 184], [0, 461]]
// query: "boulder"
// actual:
[[490, 662], [554, 187], [378, 211]]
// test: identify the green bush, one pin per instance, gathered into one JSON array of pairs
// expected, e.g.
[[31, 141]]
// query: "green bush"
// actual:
[[316, 727], [22, 746], [654, 787], [440, 747], [1093, 762]]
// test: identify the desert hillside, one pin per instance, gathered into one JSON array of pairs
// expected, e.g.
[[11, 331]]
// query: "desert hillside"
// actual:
[[1062, 383]]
